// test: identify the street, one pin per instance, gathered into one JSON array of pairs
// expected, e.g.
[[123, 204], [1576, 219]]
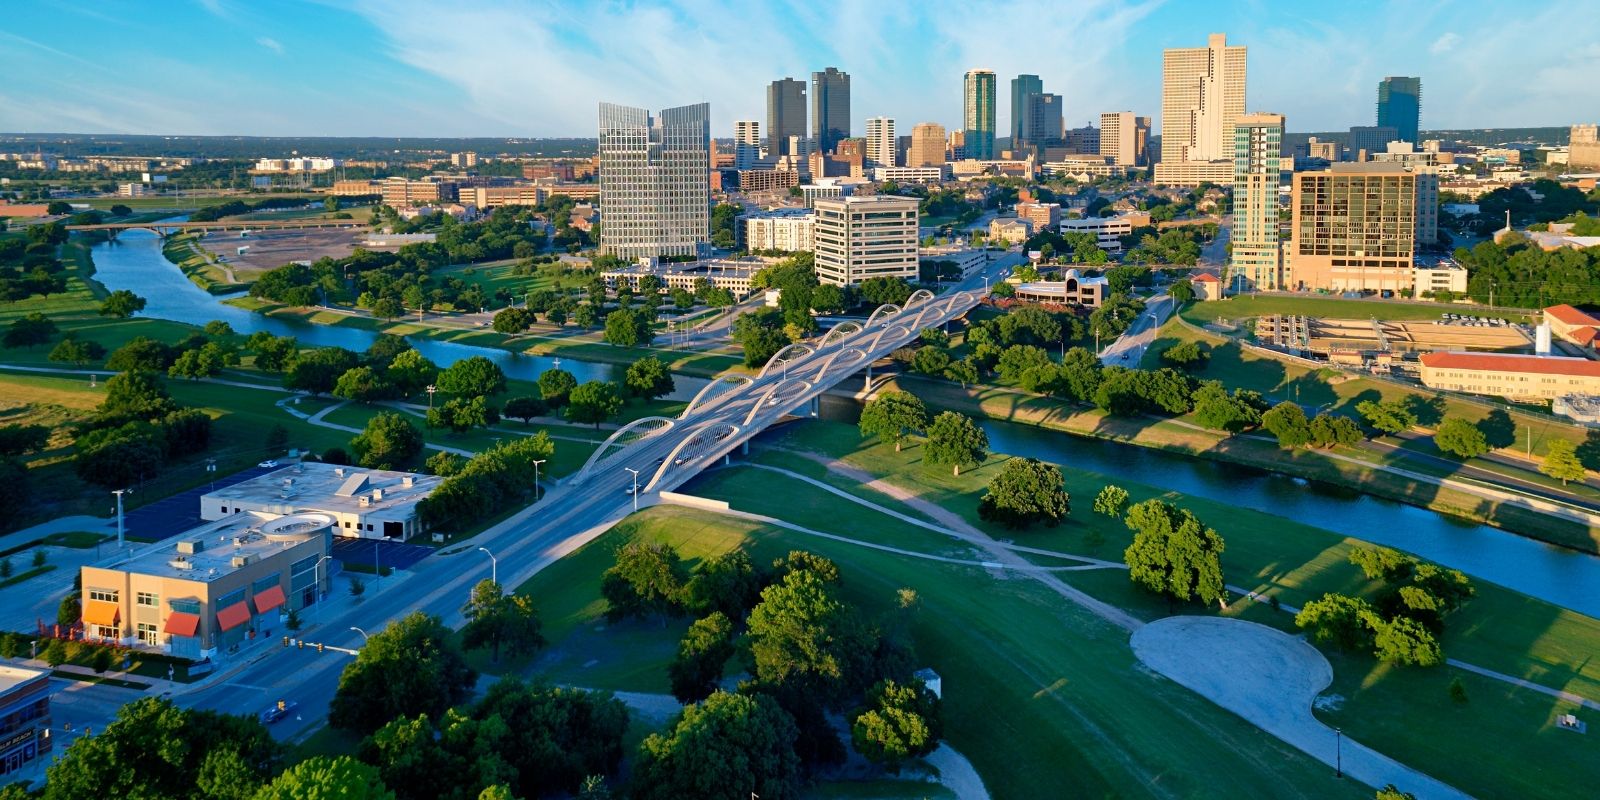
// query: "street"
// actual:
[[1129, 348]]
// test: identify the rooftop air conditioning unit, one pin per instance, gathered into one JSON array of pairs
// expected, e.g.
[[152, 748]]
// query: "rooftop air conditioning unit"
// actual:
[[180, 563], [377, 494], [242, 561], [364, 501], [339, 471]]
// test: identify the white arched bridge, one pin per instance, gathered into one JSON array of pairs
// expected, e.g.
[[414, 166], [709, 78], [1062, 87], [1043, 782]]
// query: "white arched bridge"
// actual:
[[664, 453]]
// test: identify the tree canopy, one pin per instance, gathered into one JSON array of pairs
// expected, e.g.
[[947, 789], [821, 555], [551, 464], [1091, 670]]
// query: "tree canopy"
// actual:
[[1174, 554], [892, 416], [411, 667], [1027, 491]]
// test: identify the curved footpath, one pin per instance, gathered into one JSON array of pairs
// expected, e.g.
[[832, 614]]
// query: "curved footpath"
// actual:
[[1270, 679]]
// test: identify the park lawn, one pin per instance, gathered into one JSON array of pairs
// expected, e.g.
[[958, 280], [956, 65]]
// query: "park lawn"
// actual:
[[1248, 306], [568, 457], [1499, 629], [185, 251], [177, 202], [881, 790], [496, 275], [1041, 683]]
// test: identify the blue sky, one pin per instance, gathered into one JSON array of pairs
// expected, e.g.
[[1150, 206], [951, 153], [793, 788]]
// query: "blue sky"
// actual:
[[529, 68]]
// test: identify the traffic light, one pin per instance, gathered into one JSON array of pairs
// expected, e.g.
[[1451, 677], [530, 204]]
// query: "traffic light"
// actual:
[[285, 641], [319, 647], [302, 643]]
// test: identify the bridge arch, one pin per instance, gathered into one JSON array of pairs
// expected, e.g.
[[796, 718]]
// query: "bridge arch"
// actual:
[[783, 356], [886, 310], [642, 428], [918, 296], [860, 355], [699, 436], [715, 390], [840, 332], [767, 397], [873, 348]]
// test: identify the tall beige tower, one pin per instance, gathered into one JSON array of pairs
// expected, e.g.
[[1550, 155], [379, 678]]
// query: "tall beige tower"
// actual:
[[1256, 262], [927, 145], [880, 142], [1202, 98], [1123, 137]]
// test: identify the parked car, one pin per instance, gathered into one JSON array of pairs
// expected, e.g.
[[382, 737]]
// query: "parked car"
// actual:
[[268, 464]]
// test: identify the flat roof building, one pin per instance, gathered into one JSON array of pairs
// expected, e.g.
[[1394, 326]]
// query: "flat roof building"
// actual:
[[1072, 289], [1202, 98], [927, 145], [1123, 138], [978, 101], [655, 181], [24, 718], [791, 230], [1043, 216], [1513, 376], [364, 503], [866, 237], [1353, 229], [1108, 231]]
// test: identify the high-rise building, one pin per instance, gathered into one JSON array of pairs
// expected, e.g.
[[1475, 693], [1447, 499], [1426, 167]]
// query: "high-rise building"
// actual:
[[1400, 106], [1202, 96], [655, 191], [1257, 260], [1021, 87], [865, 237], [1084, 140], [881, 145], [927, 145], [1354, 228], [1123, 137], [830, 108], [1583, 146], [958, 146], [978, 114], [786, 115], [746, 143], [1371, 138], [1041, 121]]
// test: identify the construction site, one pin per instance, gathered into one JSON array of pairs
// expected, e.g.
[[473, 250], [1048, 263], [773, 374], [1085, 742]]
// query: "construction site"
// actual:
[[1378, 344]]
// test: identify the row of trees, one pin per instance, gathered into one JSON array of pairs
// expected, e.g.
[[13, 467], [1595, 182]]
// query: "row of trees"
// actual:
[[1403, 621]]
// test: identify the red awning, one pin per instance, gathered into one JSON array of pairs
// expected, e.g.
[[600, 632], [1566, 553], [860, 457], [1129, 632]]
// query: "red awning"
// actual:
[[233, 616], [181, 624], [268, 599]]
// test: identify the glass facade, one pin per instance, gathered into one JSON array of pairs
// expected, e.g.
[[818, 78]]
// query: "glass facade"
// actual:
[[1400, 106], [655, 190], [978, 114]]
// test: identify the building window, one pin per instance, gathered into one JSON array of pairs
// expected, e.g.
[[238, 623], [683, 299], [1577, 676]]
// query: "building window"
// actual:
[[264, 584], [107, 632], [149, 635], [104, 595], [187, 606], [147, 599]]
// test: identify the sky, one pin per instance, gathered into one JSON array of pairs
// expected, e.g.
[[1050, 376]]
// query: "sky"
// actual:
[[525, 68]]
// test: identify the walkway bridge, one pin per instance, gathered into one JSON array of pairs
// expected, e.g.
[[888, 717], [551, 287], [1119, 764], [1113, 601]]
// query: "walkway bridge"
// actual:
[[165, 229], [661, 453]]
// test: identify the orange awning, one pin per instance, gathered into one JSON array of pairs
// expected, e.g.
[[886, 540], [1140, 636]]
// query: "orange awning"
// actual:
[[103, 613], [268, 599], [182, 624], [233, 616]]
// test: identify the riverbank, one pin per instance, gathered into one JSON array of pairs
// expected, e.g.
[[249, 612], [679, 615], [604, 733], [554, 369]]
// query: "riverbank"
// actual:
[[185, 252]]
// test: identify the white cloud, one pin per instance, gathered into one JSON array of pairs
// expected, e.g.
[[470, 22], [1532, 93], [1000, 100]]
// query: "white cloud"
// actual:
[[271, 44], [1444, 44]]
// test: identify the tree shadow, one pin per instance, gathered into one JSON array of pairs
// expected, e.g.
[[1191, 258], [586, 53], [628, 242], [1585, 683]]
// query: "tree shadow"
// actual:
[[1589, 450], [1499, 430], [1429, 411]]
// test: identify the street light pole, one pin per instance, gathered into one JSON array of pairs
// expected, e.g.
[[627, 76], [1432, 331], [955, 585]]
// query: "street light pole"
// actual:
[[494, 566], [635, 487], [364, 636], [536, 464], [1338, 753], [119, 493]]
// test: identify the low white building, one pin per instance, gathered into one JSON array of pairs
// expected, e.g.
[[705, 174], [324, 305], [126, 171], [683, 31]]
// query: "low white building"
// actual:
[[1108, 231], [364, 503], [969, 259], [791, 230], [936, 173], [733, 275], [1442, 277]]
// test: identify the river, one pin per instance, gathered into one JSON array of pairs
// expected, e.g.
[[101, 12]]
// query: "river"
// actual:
[[134, 261], [1564, 577]]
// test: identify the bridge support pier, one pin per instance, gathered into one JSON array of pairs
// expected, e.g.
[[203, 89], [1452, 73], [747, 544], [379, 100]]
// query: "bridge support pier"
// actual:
[[727, 459], [816, 406], [744, 447]]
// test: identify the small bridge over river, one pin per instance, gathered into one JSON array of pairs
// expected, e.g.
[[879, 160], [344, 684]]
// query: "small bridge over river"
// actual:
[[165, 229]]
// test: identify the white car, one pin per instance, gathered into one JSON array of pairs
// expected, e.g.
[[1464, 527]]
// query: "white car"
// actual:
[[268, 464]]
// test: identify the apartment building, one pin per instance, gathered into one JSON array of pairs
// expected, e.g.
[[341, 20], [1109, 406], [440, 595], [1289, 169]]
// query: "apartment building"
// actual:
[[1124, 137], [791, 230], [865, 237], [1256, 262], [401, 192], [1042, 216]]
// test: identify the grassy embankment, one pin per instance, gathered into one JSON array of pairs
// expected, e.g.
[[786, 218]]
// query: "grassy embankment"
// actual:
[[185, 251]]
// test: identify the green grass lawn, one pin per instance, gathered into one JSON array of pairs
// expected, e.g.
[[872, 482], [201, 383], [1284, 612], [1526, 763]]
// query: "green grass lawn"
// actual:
[[496, 275], [1247, 306], [569, 455], [185, 251]]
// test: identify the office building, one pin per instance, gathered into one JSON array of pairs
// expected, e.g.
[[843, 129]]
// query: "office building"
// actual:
[[655, 190], [1123, 138], [786, 115], [977, 115], [866, 237], [881, 143], [483, 197], [1072, 289], [1353, 229], [957, 147], [1042, 216], [1082, 141], [24, 720], [1107, 231], [927, 145], [1022, 87], [1367, 140], [1326, 151], [550, 171], [766, 180], [401, 192], [746, 143], [791, 230], [364, 503], [1400, 106], [220, 585], [830, 108], [1202, 97], [936, 173], [1256, 263], [1518, 377], [465, 160], [1583, 146], [1041, 121], [1084, 167]]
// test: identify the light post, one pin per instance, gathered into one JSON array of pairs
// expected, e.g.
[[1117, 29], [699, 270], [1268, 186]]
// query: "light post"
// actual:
[[536, 464], [119, 493], [430, 390], [364, 636], [1338, 753], [635, 487], [494, 566]]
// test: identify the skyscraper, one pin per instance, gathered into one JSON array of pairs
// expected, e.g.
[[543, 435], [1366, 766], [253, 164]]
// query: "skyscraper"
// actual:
[[1123, 137], [1041, 121], [1202, 96], [1400, 106], [1257, 260], [927, 145], [880, 142], [830, 108], [978, 113], [1353, 228], [746, 143], [655, 190], [1021, 87], [786, 114]]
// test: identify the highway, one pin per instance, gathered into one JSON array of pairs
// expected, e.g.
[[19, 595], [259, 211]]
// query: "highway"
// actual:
[[1129, 348], [665, 454]]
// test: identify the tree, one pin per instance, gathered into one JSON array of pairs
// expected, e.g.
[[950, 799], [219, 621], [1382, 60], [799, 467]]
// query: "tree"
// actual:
[[18, 439], [1458, 691], [1460, 438], [1328, 430], [1026, 491], [1174, 554], [1402, 640], [29, 331], [930, 360], [410, 372], [273, 353], [1111, 501], [964, 372], [495, 619], [898, 722], [324, 778], [953, 439], [1390, 792], [648, 378], [892, 416], [1383, 563], [524, 408], [1185, 354], [200, 362], [1214, 408], [805, 642], [646, 580], [388, 308], [626, 328], [1018, 359], [121, 304], [555, 385], [729, 583], [318, 371], [411, 667], [476, 376], [77, 351], [362, 384], [1288, 422], [462, 414], [389, 441], [1339, 620], [1561, 462], [117, 457], [702, 654], [593, 402], [1181, 291], [729, 747], [68, 612], [1389, 416], [513, 320], [55, 653]]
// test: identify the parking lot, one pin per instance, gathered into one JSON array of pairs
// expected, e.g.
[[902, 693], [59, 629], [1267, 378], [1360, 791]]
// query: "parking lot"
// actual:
[[380, 552], [173, 515]]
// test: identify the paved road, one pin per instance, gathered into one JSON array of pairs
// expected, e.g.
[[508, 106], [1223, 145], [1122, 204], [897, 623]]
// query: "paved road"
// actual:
[[1129, 348], [1215, 253]]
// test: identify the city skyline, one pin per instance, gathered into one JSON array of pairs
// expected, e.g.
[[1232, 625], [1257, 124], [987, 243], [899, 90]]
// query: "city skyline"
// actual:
[[407, 70]]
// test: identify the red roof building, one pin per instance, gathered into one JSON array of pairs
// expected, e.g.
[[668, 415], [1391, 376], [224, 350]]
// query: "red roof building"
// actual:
[[1510, 375]]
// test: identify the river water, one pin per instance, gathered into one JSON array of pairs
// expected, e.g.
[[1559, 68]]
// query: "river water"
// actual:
[[134, 261]]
